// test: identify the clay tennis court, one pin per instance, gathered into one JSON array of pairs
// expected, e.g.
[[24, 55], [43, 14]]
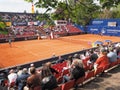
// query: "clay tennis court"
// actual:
[[33, 50]]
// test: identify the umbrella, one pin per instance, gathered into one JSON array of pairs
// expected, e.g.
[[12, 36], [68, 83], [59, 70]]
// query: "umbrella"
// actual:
[[108, 41], [98, 42]]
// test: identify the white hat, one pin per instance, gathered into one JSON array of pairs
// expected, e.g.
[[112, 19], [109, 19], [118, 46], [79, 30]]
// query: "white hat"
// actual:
[[32, 65]]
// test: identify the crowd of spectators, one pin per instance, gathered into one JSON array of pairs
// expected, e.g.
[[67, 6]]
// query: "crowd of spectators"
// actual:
[[45, 78], [23, 25], [18, 17]]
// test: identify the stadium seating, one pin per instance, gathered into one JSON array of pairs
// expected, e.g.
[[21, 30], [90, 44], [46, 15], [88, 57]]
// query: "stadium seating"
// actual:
[[106, 67], [58, 88], [68, 85], [98, 71], [113, 64], [89, 75], [80, 81], [73, 29]]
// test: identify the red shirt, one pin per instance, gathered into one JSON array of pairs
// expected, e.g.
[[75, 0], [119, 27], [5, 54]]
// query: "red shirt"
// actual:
[[102, 61]]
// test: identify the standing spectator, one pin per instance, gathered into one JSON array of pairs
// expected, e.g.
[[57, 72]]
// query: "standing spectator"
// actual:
[[22, 79], [33, 81]]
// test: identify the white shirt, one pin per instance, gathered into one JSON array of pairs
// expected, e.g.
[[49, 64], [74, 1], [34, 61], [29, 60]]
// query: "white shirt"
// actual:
[[12, 77]]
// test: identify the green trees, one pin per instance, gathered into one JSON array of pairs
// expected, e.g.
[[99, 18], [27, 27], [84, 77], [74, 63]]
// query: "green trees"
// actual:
[[109, 3], [79, 11], [2, 24], [3, 29], [109, 8]]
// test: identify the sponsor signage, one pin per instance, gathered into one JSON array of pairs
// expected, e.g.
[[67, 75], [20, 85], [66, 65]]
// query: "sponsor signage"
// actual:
[[19, 23]]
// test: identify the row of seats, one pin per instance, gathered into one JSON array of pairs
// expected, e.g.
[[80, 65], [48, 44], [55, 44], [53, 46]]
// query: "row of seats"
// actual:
[[73, 29], [89, 75]]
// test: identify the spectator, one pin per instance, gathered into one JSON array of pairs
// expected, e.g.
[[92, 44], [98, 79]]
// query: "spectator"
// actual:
[[48, 81], [3, 78], [102, 60], [76, 71], [118, 51], [53, 55], [31, 65], [76, 56], [49, 65], [22, 79], [11, 79], [112, 56], [33, 81], [82, 56], [69, 61], [19, 71], [60, 59], [93, 56]]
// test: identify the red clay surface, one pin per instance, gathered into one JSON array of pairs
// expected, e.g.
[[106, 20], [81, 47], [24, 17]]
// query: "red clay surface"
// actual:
[[34, 50]]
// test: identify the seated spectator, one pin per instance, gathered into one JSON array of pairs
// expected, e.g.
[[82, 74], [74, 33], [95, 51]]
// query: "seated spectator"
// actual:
[[11, 79], [69, 61], [76, 71], [82, 56], [48, 81], [60, 59], [31, 65], [49, 65], [53, 55], [19, 70], [87, 53], [76, 56], [22, 79], [93, 56], [3, 78], [112, 55], [118, 51], [33, 81], [102, 60]]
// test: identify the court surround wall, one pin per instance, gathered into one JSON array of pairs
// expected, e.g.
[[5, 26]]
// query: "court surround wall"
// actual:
[[105, 26]]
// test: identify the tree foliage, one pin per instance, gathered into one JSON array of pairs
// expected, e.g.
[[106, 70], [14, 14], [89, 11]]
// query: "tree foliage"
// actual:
[[78, 11], [109, 3], [47, 4], [2, 24]]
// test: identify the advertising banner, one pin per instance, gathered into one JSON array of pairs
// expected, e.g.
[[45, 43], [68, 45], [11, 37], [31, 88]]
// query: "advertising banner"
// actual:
[[33, 23], [19, 23]]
